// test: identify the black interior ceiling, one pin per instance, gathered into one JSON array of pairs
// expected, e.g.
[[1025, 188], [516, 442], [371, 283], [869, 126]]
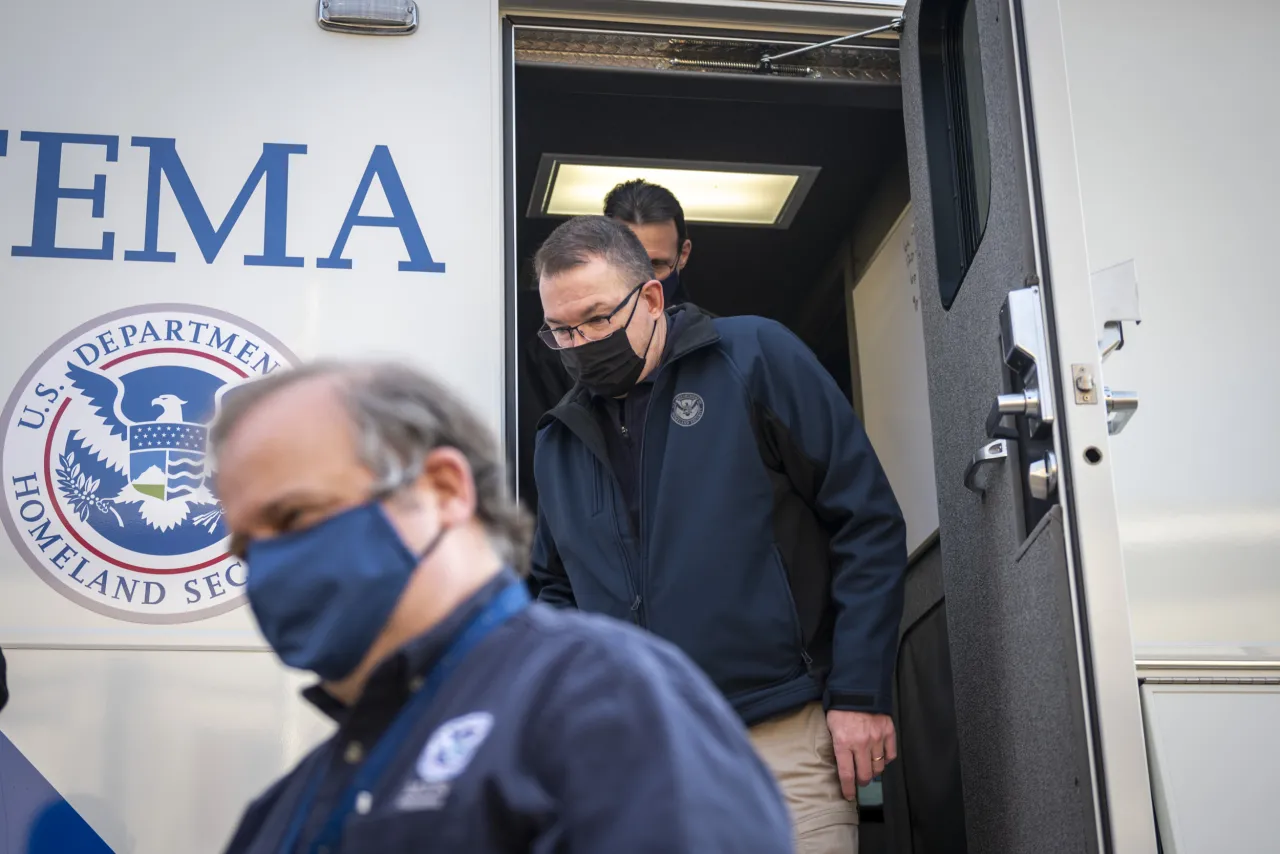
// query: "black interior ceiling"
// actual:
[[853, 132], [733, 270]]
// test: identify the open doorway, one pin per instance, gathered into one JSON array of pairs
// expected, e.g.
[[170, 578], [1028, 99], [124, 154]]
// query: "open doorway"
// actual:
[[684, 97], [848, 127]]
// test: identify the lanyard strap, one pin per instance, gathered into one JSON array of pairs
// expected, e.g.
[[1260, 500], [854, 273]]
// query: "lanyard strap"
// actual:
[[511, 601]]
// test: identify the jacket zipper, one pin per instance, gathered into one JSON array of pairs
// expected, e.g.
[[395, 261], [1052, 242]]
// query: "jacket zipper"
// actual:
[[791, 603], [642, 535], [632, 581], [637, 603]]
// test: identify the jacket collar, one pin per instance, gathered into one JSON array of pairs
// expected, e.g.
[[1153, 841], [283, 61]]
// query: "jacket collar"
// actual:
[[393, 677], [689, 328]]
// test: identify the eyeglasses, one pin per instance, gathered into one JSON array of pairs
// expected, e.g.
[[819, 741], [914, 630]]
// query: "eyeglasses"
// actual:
[[591, 329], [662, 269]]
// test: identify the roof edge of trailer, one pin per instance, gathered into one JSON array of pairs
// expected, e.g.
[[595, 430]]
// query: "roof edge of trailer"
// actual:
[[677, 53], [799, 17]]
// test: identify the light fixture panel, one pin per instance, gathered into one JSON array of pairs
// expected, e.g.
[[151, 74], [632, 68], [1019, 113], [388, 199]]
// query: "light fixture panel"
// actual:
[[742, 194]]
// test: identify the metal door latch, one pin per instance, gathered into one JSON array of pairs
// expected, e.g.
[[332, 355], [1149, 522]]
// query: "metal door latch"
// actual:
[[1043, 476], [989, 453], [1115, 302], [1022, 342]]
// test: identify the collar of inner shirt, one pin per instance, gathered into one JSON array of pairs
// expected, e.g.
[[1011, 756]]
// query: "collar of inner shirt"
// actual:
[[396, 678]]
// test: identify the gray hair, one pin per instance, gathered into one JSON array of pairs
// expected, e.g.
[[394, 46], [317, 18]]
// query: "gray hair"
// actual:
[[400, 415], [584, 239]]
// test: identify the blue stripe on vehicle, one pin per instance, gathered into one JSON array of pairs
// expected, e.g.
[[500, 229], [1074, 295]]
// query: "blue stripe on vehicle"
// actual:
[[38, 820]]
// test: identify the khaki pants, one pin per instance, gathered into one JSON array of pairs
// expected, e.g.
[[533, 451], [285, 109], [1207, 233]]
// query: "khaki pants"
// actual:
[[797, 748]]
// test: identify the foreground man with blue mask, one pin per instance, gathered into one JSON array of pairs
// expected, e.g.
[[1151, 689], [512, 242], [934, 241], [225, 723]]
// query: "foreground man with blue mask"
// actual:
[[373, 513]]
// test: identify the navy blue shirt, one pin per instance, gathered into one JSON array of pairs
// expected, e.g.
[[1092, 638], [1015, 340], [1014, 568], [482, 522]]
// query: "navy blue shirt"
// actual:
[[600, 739], [623, 421]]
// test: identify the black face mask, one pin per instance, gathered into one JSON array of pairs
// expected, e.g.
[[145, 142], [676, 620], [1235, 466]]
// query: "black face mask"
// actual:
[[608, 367]]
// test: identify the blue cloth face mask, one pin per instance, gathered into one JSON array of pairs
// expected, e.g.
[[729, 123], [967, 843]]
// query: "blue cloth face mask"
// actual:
[[322, 596]]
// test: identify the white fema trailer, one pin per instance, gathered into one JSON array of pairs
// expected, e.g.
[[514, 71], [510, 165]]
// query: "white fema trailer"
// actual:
[[966, 213]]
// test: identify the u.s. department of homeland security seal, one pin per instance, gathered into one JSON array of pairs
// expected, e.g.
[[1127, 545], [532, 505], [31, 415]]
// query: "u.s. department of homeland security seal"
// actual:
[[108, 491], [687, 408]]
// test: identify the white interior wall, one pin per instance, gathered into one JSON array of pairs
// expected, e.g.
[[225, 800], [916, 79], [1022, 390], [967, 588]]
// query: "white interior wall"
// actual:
[[1176, 132], [895, 381]]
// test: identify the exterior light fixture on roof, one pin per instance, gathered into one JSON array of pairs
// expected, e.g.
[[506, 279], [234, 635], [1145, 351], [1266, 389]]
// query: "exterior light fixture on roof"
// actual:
[[369, 17], [747, 194]]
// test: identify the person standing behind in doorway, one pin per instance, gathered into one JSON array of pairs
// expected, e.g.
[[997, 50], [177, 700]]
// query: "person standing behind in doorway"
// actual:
[[655, 215], [708, 481]]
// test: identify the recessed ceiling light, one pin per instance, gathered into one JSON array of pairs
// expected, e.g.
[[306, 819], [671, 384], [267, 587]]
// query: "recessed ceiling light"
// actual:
[[716, 193]]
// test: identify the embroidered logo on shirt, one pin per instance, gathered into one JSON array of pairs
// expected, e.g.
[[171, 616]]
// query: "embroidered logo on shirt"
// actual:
[[687, 409], [417, 795], [450, 748], [448, 753]]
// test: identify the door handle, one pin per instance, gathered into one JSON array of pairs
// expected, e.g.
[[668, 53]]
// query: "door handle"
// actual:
[[1120, 407], [1023, 345], [1019, 403], [988, 453]]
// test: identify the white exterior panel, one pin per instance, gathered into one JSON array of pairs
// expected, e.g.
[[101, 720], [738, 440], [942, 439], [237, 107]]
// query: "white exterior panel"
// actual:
[[152, 729], [1215, 759], [1176, 133], [158, 751], [221, 86]]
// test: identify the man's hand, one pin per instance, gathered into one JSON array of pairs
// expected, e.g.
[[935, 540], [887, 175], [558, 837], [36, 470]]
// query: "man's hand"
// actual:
[[864, 743]]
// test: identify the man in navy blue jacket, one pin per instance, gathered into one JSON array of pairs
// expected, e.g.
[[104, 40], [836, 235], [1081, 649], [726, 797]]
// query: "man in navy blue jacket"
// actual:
[[706, 479], [655, 215], [373, 512]]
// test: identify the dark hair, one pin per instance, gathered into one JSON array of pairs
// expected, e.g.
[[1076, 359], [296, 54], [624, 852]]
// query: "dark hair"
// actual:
[[401, 414], [584, 239], [639, 203]]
